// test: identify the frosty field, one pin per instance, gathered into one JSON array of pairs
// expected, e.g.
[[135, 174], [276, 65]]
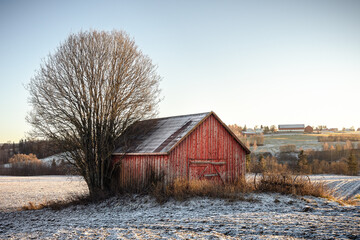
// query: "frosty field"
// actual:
[[16, 192], [263, 216], [272, 142]]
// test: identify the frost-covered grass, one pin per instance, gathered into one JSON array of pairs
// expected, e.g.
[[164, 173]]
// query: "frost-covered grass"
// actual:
[[272, 216], [16, 192], [269, 216], [272, 142], [343, 187]]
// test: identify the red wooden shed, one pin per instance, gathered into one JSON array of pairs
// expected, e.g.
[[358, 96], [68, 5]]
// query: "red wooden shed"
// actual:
[[196, 146]]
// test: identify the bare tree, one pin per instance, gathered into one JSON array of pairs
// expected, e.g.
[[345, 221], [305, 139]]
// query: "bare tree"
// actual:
[[87, 93]]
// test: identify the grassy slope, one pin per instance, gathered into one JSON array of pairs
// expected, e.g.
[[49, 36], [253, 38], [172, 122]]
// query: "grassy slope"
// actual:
[[304, 141]]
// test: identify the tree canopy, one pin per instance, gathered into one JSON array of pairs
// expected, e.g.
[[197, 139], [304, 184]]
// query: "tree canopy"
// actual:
[[87, 93]]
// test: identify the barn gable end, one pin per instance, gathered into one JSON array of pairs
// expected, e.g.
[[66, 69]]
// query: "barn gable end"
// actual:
[[198, 146]]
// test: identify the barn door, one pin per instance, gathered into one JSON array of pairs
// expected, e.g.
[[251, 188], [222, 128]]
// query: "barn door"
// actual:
[[207, 169]]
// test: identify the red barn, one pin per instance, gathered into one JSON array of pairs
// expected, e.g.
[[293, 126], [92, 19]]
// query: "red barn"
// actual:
[[309, 129], [196, 146]]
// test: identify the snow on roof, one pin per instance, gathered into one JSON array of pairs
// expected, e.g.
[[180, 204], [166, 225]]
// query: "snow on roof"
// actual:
[[159, 135]]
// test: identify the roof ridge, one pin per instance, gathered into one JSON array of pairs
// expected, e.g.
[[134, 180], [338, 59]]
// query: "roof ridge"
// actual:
[[185, 115]]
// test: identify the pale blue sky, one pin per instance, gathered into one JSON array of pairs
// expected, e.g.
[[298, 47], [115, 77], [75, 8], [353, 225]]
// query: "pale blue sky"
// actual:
[[252, 62]]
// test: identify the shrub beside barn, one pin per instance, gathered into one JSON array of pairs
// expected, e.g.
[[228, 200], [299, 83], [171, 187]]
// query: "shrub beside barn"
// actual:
[[193, 147]]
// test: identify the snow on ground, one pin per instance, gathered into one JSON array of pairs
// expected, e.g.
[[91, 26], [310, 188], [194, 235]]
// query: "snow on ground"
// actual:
[[272, 142], [16, 192], [57, 158], [263, 216], [344, 187], [271, 216]]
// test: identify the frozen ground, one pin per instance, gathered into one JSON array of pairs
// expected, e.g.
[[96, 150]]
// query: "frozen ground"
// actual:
[[272, 142], [344, 187], [16, 192], [272, 216], [263, 216]]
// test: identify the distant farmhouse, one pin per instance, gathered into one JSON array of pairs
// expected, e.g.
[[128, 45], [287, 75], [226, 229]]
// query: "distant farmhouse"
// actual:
[[309, 129], [291, 128]]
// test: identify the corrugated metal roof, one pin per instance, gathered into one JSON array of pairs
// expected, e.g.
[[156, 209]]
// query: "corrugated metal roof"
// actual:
[[296, 126], [158, 135]]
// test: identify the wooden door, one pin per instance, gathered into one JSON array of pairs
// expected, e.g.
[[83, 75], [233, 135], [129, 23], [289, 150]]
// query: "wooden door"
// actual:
[[207, 169]]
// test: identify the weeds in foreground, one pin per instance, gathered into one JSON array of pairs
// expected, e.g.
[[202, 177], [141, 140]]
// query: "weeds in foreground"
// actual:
[[289, 184], [344, 202], [61, 204], [181, 190]]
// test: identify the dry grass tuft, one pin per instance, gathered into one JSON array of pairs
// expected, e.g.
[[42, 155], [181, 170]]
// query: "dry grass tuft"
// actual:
[[344, 202], [181, 190], [61, 204], [289, 184], [33, 206]]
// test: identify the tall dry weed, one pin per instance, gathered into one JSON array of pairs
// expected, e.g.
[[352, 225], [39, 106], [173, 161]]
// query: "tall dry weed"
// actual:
[[291, 184], [182, 189]]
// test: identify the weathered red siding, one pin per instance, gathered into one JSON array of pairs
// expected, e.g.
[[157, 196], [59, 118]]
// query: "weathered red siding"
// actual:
[[135, 170], [210, 141], [209, 152]]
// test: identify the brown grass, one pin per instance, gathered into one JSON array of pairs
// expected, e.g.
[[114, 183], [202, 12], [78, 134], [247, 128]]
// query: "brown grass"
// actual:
[[340, 138], [288, 148], [289, 184], [181, 190], [344, 202], [58, 205]]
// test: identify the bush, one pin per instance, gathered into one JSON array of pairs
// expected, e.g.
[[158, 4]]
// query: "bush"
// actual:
[[339, 138], [29, 165], [290, 184], [74, 200], [288, 148], [182, 189], [257, 139], [266, 164]]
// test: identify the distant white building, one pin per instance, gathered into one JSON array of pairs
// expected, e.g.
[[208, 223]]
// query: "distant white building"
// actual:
[[251, 131], [58, 158], [291, 127]]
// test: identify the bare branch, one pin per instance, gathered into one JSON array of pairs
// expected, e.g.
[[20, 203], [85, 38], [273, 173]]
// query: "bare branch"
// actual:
[[87, 93]]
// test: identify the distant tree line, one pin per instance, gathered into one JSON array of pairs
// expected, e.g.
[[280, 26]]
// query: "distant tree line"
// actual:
[[339, 138], [341, 159], [30, 165], [304, 164], [265, 129], [40, 148], [249, 140]]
